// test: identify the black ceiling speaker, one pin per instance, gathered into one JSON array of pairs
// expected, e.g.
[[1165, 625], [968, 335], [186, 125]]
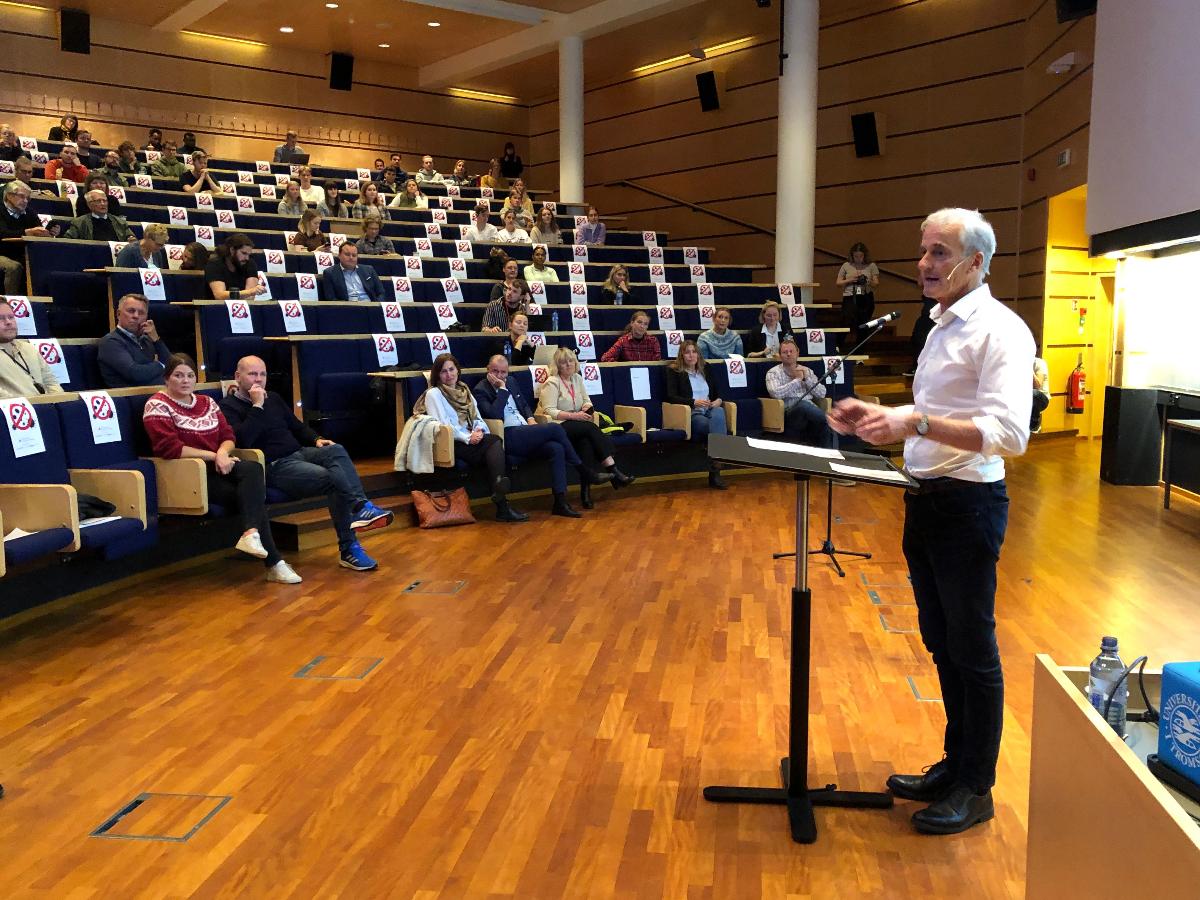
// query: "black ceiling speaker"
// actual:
[[341, 71], [74, 31], [1069, 10], [709, 92], [866, 135]]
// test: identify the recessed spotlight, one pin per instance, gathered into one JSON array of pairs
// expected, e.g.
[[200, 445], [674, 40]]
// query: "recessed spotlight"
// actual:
[[384, 46], [435, 24], [331, 6], [287, 29]]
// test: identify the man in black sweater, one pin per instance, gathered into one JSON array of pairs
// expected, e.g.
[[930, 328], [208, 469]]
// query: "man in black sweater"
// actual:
[[299, 462]]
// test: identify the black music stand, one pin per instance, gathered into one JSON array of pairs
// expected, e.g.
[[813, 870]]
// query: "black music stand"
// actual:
[[795, 793]]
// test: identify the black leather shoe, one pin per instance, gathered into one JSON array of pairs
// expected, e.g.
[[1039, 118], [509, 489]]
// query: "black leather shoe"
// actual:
[[593, 477], [620, 479], [506, 513], [585, 495], [563, 508], [958, 811], [929, 787], [715, 480]]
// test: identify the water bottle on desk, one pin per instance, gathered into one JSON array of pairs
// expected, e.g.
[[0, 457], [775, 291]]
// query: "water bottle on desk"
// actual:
[[554, 320], [1105, 670]]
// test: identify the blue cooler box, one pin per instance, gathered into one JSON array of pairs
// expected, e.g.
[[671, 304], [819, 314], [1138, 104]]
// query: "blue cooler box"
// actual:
[[1179, 729]]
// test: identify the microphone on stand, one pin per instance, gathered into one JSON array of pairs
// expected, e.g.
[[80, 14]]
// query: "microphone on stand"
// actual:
[[882, 320]]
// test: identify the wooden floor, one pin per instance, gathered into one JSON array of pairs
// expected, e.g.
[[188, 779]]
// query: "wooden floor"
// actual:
[[546, 730]]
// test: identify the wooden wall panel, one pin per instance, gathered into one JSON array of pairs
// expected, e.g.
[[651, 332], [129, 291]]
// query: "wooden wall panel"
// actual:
[[1059, 114], [992, 188]]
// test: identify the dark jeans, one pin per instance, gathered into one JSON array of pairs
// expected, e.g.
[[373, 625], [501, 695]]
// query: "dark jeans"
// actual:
[[488, 452], [952, 540], [806, 421], [590, 443], [545, 441], [322, 470], [245, 490], [857, 309]]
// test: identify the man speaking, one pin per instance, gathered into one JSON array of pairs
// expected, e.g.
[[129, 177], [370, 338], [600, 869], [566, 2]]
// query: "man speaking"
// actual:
[[971, 408]]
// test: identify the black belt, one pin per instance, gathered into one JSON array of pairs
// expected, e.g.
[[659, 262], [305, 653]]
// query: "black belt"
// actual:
[[927, 486]]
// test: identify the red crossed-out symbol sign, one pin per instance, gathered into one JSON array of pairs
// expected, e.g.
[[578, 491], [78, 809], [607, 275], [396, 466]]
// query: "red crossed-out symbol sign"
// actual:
[[239, 311], [439, 342], [736, 367], [245, 203], [585, 339], [579, 312], [576, 269], [666, 312], [785, 290], [816, 335], [591, 373], [19, 307], [464, 246], [204, 231], [675, 337], [292, 310], [178, 215], [433, 228], [308, 282], [666, 290], [21, 417], [537, 340], [706, 289], [541, 374], [450, 284], [697, 270], [537, 288], [649, 236], [413, 262], [274, 257], [175, 252], [457, 265], [656, 253], [403, 285], [151, 278], [49, 353], [386, 344], [445, 310], [689, 252], [579, 289], [796, 310], [656, 270], [423, 244], [391, 310], [706, 312], [101, 409], [225, 217]]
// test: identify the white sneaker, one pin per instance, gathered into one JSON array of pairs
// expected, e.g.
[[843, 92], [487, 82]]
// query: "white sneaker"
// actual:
[[251, 543], [283, 573]]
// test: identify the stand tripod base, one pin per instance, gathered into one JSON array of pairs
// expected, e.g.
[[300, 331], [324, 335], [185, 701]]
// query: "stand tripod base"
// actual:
[[800, 804]]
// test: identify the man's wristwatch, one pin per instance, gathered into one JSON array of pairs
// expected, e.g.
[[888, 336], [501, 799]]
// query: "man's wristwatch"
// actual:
[[922, 425]]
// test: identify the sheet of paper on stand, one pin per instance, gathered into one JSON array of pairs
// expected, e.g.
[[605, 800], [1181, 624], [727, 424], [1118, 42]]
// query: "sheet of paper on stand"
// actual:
[[786, 447], [876, 474]]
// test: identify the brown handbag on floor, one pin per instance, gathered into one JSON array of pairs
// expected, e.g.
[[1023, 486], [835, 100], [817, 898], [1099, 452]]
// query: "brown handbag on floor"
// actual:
[[439, 509]]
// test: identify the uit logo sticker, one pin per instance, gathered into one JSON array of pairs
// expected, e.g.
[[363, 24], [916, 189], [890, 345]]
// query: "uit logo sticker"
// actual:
[[1181, 719]]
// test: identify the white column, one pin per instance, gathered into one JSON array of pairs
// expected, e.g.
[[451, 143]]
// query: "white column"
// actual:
[[796, 199], [570, 119]]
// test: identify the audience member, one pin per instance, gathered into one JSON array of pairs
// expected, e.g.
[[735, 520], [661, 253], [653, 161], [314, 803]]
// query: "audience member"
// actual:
[[377, 169], [397, 168], [132, 354], [199, 178], [720, 341], [128, 161], [616, 290], [492, 179], [634, 344], [511, 166], [372, 243], [459, 176], [185, 425], [545, 230], [96, 182], [308, 236], [148, 253], [369, 205], [23, 171], [496, 261], [390, 182], [169, 165], [511, 297], [591, 232], [97, 224], [764, 342], [195, 257], [332, 205], [23, 372], [920, 332], [691, 383], [229, 274], [411, 197], [797, 386], [480, 229], [510, 233], [87, 156], [67, 167], [564, 399], [450, 402], [499, 397], [67, 129], [17, 221], [858, 277], [291, 204], [10, 146], [1041, 394], [347, 280], [518, 202], [189, 144], [111, 169], [286, 151], [427, 174], [155, 141], [514, 346], [312, 193], [300, 463], [538, 270]]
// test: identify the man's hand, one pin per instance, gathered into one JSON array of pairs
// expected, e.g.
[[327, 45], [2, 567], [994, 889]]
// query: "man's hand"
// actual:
[[325, 442], [491, 329], [38, 232], [150, 331], [873, 423], [258, 395], [531, 421], [224, 462], [497, 383]]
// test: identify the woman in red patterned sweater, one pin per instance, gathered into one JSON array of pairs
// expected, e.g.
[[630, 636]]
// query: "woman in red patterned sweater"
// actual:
[[635, 345], [187, 425]]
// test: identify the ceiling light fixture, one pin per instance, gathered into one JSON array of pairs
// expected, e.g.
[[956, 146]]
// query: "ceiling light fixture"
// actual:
[[25, 5], [384, 46], [434, 24], [331, 6], [287, 29], [221, 37], [482, 95], [693, 54]]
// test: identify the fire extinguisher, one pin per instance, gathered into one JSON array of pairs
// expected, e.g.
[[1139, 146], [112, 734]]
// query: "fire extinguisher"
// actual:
[[1076, 388]]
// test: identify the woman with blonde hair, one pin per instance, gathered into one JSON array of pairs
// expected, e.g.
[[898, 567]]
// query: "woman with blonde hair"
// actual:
[[564, 399], [764, 342], [545, 231], [616, 290], [412, 197], [492, 179], [691, 383], [292, 203], [308, 234], [369, 204]]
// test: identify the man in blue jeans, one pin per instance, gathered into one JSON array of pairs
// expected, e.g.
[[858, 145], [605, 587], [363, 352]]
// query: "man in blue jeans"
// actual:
[[971, 404], [499, 398], [300, 463]]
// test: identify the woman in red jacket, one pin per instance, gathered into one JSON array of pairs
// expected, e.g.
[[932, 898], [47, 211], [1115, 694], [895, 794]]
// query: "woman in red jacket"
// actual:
[[185, 425]]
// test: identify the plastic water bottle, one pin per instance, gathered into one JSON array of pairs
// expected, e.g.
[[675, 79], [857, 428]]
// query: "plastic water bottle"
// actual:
[[554, 320], [508, 349], [1105, 670]]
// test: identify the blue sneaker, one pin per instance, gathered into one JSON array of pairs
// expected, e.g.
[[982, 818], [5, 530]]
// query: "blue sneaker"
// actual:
[[355, 557], [370, 517]]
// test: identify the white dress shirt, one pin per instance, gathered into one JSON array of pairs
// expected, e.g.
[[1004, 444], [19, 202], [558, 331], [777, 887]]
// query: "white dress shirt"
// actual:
[[976, 366]]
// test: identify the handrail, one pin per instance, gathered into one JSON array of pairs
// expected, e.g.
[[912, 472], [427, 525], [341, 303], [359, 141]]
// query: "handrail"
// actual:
[[625, 182]]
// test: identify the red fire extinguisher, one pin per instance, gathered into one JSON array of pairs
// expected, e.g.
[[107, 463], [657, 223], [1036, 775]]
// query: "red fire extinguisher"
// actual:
[[1076, 389]]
